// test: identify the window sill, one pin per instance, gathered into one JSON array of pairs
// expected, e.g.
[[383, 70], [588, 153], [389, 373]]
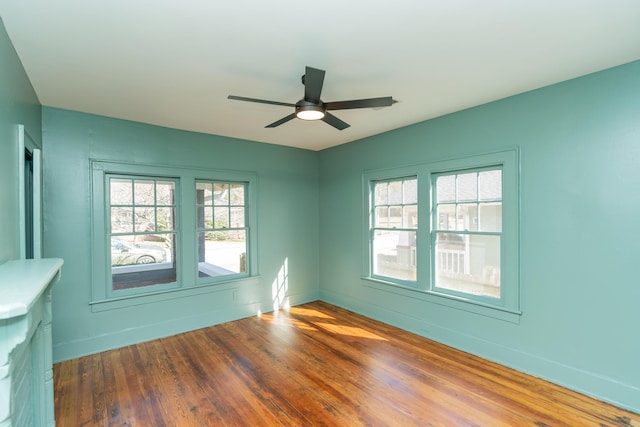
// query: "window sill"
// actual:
[[169, 294], [458, 303]]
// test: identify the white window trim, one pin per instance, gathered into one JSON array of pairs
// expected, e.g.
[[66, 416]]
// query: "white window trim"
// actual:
[[188, 283], [508, 306]]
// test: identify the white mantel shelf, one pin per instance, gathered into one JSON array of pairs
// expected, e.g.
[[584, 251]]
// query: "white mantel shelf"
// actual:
[[26, 362], [22, 282]]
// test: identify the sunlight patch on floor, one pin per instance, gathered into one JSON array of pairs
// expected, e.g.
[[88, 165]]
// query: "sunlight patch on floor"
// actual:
[[287, 321], [349, 330], [309, 312]]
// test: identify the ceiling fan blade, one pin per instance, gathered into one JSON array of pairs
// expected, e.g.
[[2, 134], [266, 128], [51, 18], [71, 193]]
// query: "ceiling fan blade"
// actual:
[[313, 80], [386, 101], [261, 101], [282, 120], [335, 122]]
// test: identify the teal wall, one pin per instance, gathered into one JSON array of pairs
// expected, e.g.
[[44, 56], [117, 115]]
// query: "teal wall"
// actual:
[[287, 227], [579, 143], [18, 105]]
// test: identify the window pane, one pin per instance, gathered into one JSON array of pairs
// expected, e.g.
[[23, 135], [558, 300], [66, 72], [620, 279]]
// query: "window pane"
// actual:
[[381, 192], [410, 189], [237, 194], [144, 192], [121, 220], [145, 219], [220, 194], [490, 217], [394, 254], [395, 193], [165, 218], [221, 253], [467, 186], [446, 188], [382, 217], [446, 217], [221, 218], [208, 217], [121, 191], [410, 216], [204, 192], [395, 216], [237, 217], [490, 185], [142, 260], [165, 192], [468, 263], [467, 217]]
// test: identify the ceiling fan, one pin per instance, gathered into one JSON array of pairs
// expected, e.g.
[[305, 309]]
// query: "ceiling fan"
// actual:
[[311, 106]]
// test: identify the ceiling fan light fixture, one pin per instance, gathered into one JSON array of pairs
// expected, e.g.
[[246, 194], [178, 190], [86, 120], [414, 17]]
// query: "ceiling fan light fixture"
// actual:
[[310, 114], [309, 111]]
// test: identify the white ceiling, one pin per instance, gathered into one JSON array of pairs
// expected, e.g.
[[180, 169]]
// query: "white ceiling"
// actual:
[[172, 63]]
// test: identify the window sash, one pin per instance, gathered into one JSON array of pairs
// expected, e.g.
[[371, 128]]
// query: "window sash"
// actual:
[[142, 254], [222, 244], [459, 267], [393, 253], [468, 265]]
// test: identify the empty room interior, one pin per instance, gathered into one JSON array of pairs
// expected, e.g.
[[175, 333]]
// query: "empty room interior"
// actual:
[[285, 213]]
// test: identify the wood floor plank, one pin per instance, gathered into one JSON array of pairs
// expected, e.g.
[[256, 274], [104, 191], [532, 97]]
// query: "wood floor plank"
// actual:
[[279, 365], [400, 379], [378, 388], [218, 375], [203, 404], [315, 364], [266, 379], [122, 411], [65, 397]]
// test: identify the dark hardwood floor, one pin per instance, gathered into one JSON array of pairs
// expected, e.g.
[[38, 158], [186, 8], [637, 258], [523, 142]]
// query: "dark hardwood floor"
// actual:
[[314, 365]]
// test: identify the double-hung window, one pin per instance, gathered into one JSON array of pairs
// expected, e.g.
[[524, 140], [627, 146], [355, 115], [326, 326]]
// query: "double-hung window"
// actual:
[[466, 252], [162, 231], [394, 228], [467, 232], [222, 228], [142, 231]]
